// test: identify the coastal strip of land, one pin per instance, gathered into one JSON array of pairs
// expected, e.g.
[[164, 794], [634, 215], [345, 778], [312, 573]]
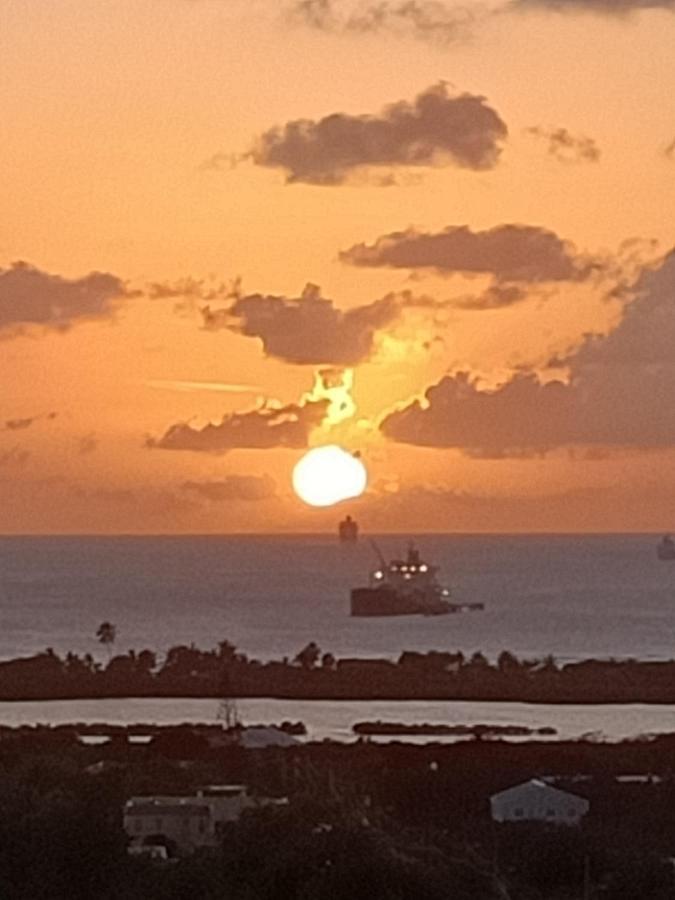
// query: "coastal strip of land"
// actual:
[[189, 672]]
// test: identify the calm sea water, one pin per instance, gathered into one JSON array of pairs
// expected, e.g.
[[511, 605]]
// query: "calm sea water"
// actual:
[[572, 596]]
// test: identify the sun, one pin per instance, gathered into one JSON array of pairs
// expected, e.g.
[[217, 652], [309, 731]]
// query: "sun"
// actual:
[[326, 475]]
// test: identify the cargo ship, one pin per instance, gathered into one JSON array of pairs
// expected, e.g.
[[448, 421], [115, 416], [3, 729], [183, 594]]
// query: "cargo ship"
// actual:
[[405, 587]]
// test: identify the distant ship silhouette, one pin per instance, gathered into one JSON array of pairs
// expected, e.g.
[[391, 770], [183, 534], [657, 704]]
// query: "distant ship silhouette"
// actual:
[[348, 531], [666, 548]]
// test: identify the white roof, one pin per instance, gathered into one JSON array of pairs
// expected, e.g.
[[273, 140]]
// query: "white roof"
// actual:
[[253, 738], [535, 787]]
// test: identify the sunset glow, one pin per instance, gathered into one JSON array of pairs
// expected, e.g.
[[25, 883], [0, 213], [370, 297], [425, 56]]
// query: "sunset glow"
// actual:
[[441, 240]]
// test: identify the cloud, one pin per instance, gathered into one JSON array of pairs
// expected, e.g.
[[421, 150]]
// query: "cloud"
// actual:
[[32, 298], [263, 428], [87, 444], [497, 296], [510, 253], [21, 424], [669, 152], [618, 394], [616, 506], [436, 129], [234, 488], [607, 7], [427, 20], [15, 456], [566, 147], [190, 387], [154, 502], [308, 329]]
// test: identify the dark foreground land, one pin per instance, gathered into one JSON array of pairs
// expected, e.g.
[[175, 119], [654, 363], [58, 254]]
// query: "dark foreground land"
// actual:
[[394, 822], [187, 671]]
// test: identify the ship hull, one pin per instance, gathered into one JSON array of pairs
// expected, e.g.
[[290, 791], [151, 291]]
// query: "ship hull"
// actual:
[[386, 602]]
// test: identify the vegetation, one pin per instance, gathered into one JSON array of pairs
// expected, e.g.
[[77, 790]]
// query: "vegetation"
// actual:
[[106, 634], [397, 822], [187, 671]]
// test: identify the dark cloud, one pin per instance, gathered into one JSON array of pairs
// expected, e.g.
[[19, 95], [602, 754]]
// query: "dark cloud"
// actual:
[[608, 7], [234, 489], [436, 129], [567, 147], [32, 298], [195, 288], [308, 329], [510, 253], [23, 423], [619, 392], [429, 20], [497, 296], [283, 426]]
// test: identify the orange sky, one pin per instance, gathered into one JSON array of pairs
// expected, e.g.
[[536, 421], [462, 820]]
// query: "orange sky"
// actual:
[[119, 121]]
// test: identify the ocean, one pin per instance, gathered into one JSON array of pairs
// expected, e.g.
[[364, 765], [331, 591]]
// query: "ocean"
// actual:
[[570, 596]]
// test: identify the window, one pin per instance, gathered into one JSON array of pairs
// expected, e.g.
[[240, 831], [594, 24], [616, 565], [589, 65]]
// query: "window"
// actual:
[[519, 811], [202, 826], [550, 813], [158, 825], [138, 824]]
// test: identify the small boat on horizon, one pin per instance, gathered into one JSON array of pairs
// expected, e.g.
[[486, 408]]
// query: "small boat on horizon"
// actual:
[[348, 531], [666, 548]]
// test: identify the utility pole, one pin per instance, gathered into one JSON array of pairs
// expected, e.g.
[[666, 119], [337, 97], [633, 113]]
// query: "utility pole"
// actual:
[[587, 877]]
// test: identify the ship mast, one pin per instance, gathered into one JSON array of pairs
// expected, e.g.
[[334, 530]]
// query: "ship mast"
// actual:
[[379, 554]]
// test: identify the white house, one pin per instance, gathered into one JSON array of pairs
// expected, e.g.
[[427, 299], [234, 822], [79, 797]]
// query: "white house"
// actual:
[[184, 820], [226, 802], [188, 821], [536, 801]]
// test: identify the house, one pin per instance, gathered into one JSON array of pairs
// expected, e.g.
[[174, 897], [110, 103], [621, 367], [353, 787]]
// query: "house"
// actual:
[[258, 737], [185, 821], [537, 801], [226, 802], [255, 737], [189, 822]]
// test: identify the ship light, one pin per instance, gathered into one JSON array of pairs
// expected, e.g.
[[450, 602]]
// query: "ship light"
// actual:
[[407, 576], [446, 592], [424, 567], [379, 574], [404, 568]]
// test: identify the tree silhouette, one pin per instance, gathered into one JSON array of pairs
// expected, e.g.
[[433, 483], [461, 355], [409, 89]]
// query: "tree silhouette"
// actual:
[[106, 634], [308, 656]]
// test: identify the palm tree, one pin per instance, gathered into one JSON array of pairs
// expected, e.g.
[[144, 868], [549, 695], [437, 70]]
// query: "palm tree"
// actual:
[[106, 635], [308, 656]]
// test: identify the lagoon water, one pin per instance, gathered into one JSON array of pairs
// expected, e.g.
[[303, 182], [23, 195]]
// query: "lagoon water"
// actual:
[[334, 720], [570, 596]]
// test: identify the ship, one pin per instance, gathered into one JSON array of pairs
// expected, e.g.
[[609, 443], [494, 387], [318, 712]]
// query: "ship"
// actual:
[[666, 548], [348, 531], [405, 587]]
